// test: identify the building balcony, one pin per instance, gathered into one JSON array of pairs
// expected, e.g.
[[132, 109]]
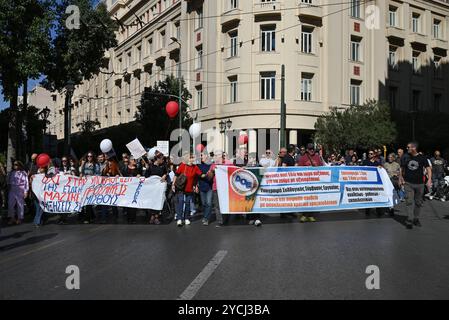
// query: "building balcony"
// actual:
[[309, 10], [230, 17], [267, 8], [395, 32], [173, 47], [147, 63], [439, 44], [137, 68], [118, 79], [418, 38], [160, 54]]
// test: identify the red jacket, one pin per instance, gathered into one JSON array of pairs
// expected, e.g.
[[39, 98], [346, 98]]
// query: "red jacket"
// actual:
[[192, 173], [310, 161]]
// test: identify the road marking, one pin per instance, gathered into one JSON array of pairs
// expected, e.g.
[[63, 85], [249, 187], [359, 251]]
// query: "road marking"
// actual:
[[201, 279], [32, 251], [100, 228]]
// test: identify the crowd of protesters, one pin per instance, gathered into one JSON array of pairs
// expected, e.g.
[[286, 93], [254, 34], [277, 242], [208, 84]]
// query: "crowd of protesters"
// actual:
[[192, 184]]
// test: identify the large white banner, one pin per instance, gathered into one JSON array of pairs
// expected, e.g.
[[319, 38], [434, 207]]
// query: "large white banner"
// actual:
[[68, 194], [301, 189]]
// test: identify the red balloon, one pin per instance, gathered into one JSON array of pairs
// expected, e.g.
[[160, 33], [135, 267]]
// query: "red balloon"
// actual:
[[200, 147], [243, 139], [43, 160], [172, 109]]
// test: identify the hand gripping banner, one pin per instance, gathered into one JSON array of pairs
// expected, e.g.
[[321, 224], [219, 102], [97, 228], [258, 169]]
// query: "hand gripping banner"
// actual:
[[69, 194], [301, 189]]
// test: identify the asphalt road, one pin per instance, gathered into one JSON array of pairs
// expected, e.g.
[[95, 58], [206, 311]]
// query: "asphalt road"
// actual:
[[283, 259]]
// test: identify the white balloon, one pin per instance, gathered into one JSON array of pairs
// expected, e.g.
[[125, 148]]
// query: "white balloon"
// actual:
[[106, 145], [151, 153], [195, 130]]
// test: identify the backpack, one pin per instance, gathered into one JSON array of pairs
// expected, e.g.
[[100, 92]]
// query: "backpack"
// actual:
[[181, 181]]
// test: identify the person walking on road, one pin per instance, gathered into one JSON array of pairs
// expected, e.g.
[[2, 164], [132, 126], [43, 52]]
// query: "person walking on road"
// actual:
[[439, 166], [310, 159], [186, 175], [412, 177], [205, 187], [18, 187]]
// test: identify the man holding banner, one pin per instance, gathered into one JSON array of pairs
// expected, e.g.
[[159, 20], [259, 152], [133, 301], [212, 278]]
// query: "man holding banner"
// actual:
[[309, 159]]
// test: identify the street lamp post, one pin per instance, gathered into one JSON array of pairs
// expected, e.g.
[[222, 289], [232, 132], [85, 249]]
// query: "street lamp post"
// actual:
[[45, 113], [174, 39], [413, 116], [70, 87], [224, 126]]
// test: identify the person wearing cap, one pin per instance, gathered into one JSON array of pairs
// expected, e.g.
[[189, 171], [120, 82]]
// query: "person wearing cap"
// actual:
[[310, 159], [18, 187]]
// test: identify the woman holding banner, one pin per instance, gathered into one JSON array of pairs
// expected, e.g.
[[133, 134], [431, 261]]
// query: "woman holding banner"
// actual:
[[186, 177], [89, 167], [156, 168], [131, 170]]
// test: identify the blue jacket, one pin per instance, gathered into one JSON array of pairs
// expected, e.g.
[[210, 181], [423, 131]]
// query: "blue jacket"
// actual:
[[205, 184]]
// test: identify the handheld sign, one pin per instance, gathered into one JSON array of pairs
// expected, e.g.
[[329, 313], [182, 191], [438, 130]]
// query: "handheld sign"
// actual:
[[163, 146], [136, 149]]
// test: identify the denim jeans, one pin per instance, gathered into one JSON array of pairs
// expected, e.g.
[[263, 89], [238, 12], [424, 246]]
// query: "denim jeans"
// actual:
[[206, 201], [39, 212], [183, 205]]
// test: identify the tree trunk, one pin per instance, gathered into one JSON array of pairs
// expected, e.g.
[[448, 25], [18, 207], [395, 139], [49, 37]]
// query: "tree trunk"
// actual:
[[22, 146], [12, 132]]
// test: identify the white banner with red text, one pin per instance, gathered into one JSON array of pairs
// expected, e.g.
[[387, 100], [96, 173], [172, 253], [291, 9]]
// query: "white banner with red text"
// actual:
[[69, 194]]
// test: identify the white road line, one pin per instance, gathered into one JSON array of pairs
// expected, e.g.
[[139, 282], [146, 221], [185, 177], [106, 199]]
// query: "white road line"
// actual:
[[32, 251], [201, 279]]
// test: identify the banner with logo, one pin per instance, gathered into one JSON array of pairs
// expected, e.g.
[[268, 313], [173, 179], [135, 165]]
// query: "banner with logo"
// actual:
[[69, 194], [302, 189]]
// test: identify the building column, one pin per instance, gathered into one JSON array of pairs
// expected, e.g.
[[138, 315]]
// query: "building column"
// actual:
[[294, 137], [252, 141]]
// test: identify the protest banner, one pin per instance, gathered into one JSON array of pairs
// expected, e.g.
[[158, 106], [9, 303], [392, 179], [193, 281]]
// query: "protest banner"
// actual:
[[69, 194], [301, 189]]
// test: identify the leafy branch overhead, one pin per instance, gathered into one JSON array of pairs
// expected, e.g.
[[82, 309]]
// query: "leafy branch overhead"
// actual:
[[78, 53]]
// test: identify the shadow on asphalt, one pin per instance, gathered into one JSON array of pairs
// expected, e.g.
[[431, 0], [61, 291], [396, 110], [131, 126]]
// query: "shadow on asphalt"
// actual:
[[29, 241], [14, 235]]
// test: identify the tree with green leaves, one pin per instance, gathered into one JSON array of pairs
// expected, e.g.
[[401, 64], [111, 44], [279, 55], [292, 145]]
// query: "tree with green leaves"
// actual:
[[87, 127], [363, 126], [24, 49], [77, 53], [151, 113]]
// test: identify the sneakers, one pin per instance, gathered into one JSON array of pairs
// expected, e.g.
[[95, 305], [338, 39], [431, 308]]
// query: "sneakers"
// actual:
[[205, 222], [187, 222], [303, 219], [257, 223], [179, 223], [311, 219], [417, 223], [251, 222], [408, 224]]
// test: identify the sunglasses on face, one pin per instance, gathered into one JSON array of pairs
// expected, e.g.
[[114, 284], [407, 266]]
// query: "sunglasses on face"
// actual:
[[90, 156]]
